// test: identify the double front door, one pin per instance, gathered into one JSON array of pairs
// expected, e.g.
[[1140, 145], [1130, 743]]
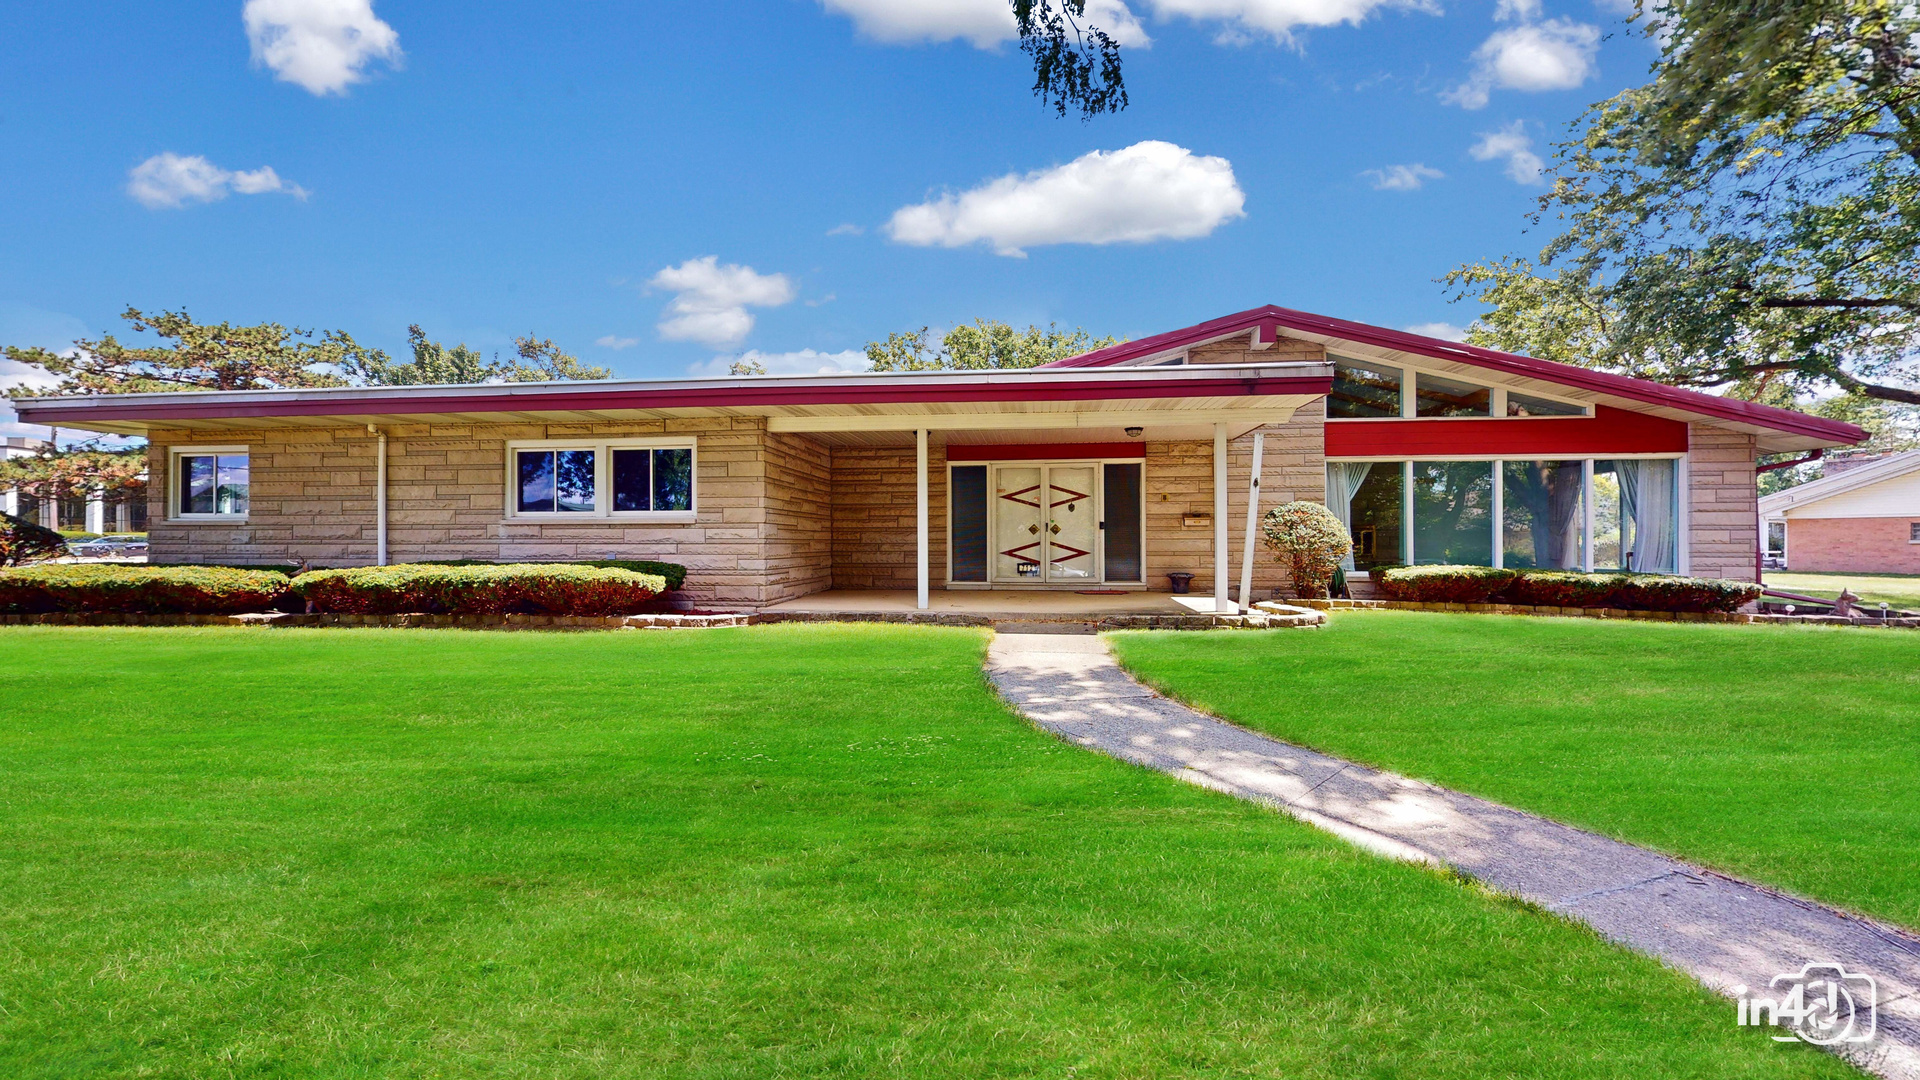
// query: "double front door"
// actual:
[[1046, 523]]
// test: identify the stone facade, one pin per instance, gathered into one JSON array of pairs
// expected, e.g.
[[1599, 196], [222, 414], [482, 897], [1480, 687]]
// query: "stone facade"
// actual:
[[875, 534], [1882, 545], [1724, 503]]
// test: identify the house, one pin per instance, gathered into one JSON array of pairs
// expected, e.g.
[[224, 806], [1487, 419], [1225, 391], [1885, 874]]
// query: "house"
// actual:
[[1105, 471], [1861, 517]]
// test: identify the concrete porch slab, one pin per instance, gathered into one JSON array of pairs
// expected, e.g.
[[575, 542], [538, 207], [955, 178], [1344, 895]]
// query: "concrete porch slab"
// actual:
[[1009, 605]]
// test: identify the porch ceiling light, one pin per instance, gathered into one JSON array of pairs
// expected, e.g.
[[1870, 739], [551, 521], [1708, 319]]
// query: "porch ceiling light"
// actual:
[[1134, 432]]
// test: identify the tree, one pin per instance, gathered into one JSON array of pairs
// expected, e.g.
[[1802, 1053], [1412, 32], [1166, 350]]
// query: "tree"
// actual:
[[985, 344], [204, 356], [1751, 216], [746, 367], [1075, 64], [77, 472], [434, 364]]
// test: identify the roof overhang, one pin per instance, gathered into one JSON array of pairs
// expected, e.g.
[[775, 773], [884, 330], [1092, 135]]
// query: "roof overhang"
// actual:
[[1776, 430], [1095, 402]]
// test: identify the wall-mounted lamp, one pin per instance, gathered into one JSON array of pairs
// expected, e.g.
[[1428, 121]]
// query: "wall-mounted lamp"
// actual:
[[1134, 432]]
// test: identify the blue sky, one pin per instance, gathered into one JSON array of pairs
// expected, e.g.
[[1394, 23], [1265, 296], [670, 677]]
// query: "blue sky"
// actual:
[[664, 186]]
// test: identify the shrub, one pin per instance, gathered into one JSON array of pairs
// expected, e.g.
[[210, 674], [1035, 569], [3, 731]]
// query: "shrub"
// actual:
[[21, 541], [674, 573], [1444, 584], [1564, 588], [138, 590], [520, 588], [1312, 541], [1656, 592]]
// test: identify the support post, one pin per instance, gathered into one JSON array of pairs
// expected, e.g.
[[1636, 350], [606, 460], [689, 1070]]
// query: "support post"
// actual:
[[1221, 604], [920, 510], [1253, 521], [96, 512], [10, 503], [379, 498]]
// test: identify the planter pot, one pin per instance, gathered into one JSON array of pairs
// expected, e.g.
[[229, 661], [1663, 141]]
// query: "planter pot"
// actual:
[[1182, 583]]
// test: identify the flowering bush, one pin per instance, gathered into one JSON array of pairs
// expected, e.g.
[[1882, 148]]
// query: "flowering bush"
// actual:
[[1443, 584], [138, 590], [22, 541], [524, 588], [1312, 541]]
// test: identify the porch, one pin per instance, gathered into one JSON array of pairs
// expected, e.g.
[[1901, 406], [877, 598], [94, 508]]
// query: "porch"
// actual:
[[1010, 605]]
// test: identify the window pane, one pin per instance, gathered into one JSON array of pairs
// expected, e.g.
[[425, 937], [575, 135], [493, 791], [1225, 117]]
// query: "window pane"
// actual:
[[536, 481], [230, 494], [1362, 390], [198, 476], [573, 481], [1644, 524], [1452, 512], [1374, 513], [673, 479], [1523, 405], [632, 480], [1543, 518], [1434, 396]]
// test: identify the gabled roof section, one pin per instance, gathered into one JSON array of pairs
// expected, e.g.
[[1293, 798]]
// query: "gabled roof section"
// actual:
[[1267, 324], [1888, 468]]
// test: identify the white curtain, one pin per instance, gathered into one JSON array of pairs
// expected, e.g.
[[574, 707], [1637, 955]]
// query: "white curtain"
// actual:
[[1648, 500], [1343, 481]]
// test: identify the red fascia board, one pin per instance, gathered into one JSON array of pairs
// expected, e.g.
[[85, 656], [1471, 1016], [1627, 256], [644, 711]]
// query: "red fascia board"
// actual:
[[689, 398], [1608, 431], [1044, 451], [1601, 382]]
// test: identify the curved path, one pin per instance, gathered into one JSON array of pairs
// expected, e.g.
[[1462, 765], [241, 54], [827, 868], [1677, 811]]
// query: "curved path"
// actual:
[[1725, 932]]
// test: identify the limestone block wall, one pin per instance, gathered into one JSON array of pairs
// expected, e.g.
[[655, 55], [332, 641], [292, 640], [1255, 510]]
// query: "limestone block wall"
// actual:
[[312, 499], [1723, 502], [875, 538]]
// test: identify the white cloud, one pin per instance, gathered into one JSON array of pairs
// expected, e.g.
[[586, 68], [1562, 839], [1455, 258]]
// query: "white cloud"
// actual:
[[610, 341], [1520, 10], [1148, 191], [1278, 18], [14, 374], [1402, 177], [848, 229], [1445, 331], [169, 181], [321, 45], [1511, 144], [1554, 55], [985, 24], [802, 362], [711, 301]]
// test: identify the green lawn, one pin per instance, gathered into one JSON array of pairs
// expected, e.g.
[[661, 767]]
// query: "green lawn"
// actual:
[[1787, 754], [786, 851], [1901, 591]]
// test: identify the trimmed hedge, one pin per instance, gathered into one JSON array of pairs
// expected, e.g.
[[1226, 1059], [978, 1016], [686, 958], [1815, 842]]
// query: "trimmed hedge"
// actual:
[[1444, 584], [1563, 588], [21, 541], [138, 590], [520, 588], [674, 573]]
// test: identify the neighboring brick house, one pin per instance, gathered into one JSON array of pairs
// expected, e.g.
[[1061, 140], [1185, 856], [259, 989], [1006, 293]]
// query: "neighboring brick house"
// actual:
[[1108, 470], [1859, 518]]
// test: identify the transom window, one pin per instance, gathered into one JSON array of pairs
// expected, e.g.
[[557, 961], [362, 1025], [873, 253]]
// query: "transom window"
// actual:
[[619, 479], [209, 482], [1365, 390]]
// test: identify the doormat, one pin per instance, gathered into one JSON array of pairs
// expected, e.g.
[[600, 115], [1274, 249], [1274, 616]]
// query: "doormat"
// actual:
[[1101, 592]]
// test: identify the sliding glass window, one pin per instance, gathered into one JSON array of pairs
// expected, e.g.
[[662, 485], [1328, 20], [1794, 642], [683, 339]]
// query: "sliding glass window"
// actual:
[[1453, 512], [1543, 524]]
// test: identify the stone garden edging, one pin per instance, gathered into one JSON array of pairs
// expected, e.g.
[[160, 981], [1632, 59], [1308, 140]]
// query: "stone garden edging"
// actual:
[[1601, 613]]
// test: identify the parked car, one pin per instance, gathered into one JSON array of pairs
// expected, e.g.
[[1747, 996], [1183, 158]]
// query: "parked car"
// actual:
[[110, 547]]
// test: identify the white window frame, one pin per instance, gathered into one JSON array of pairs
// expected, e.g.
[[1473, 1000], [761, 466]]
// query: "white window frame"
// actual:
[[602, 480], [174, 454], [1913, 532], [1497, 404]]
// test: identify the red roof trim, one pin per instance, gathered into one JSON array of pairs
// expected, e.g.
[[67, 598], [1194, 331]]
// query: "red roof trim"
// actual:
[[746, 394], [1601, 382]]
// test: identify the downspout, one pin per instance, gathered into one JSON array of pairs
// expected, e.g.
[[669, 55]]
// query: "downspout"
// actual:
[[379, 497]]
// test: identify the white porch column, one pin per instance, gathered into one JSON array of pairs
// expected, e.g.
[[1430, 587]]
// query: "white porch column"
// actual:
[[96, 512], [50, 514], [1253, 520], [920, 509], [379, 497], [1221, 604], [122, 516]]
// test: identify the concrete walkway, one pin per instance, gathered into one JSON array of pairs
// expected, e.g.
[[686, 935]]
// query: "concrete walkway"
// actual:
[[1724, 932]]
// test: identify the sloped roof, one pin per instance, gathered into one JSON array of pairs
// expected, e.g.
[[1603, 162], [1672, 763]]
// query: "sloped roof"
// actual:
[[1888, 468], [1268, 322]]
